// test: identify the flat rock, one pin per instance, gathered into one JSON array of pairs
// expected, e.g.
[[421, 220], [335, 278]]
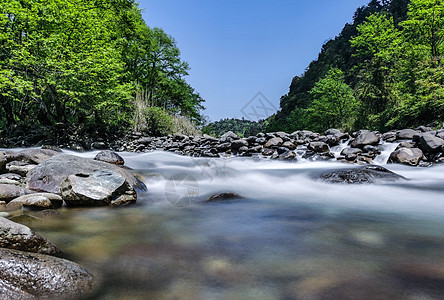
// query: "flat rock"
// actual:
[[19, 169], [406, 156], [47, 176], [19, 237], [99, 188], [36, 201], [25, 275], [362, 175], [110, 157]]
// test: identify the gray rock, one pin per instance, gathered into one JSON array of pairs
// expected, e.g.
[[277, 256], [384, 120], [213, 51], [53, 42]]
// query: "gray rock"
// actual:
[[261, 140], [318, 147], [110, 157], [98, 145], [224, 196], [332, 131], [348, 151], [3, 162], [19, 237], [288, 155], [267, 152], [406, 156], [290, 145], [362, 175], [32, 156], [228, 137], [389, 136], [9, 192], [424, 129], [235, 145], [36, 201], [47, 176], [223, 147], [365, 138], [274, 142], [25, 275], [406, 134], [430, 143], [99, 188], [19, 168]]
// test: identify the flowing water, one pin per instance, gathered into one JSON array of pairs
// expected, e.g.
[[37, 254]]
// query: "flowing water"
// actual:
[[290, 237]]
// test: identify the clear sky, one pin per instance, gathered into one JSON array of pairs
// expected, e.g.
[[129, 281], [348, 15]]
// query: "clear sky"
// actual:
[[238, 48]]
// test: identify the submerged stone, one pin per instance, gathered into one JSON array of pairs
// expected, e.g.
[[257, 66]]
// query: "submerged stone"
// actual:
[[367, 174]]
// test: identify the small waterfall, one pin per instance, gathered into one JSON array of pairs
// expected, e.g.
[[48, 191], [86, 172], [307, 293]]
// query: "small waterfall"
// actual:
[[386, 150]]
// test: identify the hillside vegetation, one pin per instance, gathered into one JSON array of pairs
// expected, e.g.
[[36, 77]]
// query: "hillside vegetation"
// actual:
[[89, 67], [383, 71]]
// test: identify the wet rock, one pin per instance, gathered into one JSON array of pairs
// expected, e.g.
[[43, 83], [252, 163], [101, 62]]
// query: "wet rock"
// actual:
[[98, 145], [267, 152], [430, 143], [290, 145], [274, 142], [223, 147], [288, 155], [365, 138], [224, 196], [228, 137], [35, 276], [235, 145], [332, 131], [37, 201], [99, 188], [19, 237], [110, 157], [405, 145], [406, 134], [348, 151], [10, 178], [318, 147], [32, 156], [47, 176], [406, 156], [367, 174], [9, 192]]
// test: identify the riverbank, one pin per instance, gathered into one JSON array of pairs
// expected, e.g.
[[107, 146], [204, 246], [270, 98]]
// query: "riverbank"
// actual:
[[422, 146]]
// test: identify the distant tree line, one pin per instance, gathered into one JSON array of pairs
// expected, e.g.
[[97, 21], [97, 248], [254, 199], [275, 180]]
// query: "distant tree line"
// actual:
[[82, 63], [383, 71], [243, 128]]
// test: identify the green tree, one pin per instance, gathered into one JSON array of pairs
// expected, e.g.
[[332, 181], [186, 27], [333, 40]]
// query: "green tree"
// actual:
[[333, 103]]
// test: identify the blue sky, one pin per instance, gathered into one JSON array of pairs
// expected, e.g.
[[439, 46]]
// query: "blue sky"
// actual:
[[238, 48]]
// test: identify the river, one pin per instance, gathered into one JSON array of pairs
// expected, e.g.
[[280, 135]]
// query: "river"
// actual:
[[289, 237]]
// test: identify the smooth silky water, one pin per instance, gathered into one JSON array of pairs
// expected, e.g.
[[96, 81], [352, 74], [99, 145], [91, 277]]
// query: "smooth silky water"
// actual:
[[290, 237]]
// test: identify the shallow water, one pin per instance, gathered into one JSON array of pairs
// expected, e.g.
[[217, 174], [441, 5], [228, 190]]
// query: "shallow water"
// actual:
[[290, 237]]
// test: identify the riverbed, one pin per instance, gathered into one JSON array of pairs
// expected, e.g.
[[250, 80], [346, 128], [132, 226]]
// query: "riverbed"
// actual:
[[290, 236]]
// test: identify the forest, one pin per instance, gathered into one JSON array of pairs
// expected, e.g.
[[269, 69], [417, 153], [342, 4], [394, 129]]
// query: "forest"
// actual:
[[89, 66], [383, 71]]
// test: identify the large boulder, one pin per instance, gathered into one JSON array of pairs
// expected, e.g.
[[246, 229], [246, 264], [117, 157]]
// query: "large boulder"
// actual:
[[25, 275], [47, 176], [99, 188], [365, 138], [430, 143], [367, 174], [235, 145], [110, 157], [19, 237], [406, 156]]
